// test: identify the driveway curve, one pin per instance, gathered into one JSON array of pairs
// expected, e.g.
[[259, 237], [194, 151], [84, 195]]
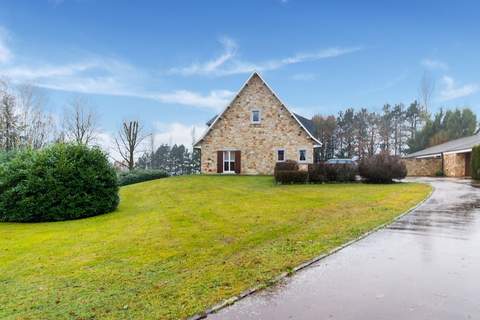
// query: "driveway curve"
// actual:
[[426, 265]]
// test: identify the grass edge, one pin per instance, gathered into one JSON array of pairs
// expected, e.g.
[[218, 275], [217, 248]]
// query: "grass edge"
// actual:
[[232, 300]]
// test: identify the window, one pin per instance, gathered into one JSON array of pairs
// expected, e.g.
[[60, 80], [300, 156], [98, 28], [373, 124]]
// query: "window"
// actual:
[[280, 155], [302, 155], [229, 161], [256, 116]]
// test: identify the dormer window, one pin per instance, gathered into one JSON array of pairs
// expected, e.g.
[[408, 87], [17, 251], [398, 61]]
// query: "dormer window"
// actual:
[[256, 116]]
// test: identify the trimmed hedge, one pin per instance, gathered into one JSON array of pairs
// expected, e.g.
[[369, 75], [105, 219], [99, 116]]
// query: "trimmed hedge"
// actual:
[[61, 182], [317, 173], [475, 163], [288, 165], [136, 176], [324, 172], [382, 168], [291, 176]]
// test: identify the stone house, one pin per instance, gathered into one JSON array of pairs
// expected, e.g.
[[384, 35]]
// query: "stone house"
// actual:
[[452, 158], [254, 132]]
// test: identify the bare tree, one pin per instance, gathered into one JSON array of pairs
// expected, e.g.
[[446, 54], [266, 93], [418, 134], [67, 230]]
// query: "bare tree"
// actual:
[[81, 122], [9, 118], [128, 141], [36, 124], [427, 87]]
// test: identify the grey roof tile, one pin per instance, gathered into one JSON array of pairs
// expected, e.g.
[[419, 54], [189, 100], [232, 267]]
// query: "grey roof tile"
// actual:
[[454, 145]]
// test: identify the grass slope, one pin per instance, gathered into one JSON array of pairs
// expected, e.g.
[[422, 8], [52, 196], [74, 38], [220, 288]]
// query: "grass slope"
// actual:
[[176, 246]]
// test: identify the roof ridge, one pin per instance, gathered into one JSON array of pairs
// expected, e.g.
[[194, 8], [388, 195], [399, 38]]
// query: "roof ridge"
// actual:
[[310, 134]]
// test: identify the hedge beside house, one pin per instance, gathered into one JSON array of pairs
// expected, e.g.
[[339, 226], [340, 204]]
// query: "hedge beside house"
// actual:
[[288, 172], [475, 162], [140, 175], [382, 168]]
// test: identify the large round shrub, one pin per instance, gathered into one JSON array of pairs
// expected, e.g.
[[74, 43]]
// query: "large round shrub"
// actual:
[[61, 182], [382, 168]]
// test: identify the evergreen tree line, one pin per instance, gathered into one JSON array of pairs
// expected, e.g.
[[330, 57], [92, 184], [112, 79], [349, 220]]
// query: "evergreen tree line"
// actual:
[[175, 160], [397, 130]]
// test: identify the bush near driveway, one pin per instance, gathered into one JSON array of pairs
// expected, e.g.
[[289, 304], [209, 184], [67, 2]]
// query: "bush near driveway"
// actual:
[[382, 168], [140, 175], [288, 172], [291, 176], [475, 162], [61, 182]]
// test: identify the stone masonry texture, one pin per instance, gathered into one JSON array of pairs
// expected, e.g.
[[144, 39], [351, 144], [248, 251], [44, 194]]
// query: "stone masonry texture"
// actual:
[[258, 143], [426, 167]]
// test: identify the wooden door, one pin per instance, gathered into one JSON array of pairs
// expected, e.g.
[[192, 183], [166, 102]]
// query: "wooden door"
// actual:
[[468, 167]]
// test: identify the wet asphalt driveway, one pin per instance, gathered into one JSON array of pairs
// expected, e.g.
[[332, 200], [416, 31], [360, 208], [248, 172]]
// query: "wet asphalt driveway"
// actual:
[[424, 266]]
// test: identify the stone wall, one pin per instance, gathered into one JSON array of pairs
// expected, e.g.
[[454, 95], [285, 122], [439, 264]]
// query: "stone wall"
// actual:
[[454, 164], [424, 167], [258, 143]]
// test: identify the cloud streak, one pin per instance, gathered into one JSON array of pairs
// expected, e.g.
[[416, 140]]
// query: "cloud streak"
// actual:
[[228, 63], [452, 91], [5, 53], [433, 64], [104, 76]]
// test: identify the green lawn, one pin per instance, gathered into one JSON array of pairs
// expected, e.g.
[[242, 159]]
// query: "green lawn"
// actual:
[[178, 245]]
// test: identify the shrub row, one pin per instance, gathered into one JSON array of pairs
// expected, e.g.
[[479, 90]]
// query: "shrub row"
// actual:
[[323, 172], [291, 176], [60, 182], [382, 168], [287, 172], [136, 176]]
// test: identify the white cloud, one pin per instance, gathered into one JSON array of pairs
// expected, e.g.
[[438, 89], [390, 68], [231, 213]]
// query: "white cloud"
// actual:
[[452, 91], [5, 53], [216, 99], [229, 51], [304, 76], [434, 64], [228, 63], [177, 133], [107, 76]]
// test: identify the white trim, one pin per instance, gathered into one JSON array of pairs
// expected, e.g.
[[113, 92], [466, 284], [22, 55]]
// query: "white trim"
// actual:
[[230, 152], [259, 116], [284, 155], [238, 93], [435, 155], [306, 155], [459, 151]]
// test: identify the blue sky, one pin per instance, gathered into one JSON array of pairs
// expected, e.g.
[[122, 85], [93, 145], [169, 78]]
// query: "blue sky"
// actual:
[[174, 64]]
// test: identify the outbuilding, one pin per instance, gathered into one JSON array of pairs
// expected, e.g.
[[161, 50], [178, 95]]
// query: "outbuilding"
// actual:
[[450, 158]]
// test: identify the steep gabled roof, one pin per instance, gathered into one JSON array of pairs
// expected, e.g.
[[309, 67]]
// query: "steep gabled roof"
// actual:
[[304, 123], [450, 146]]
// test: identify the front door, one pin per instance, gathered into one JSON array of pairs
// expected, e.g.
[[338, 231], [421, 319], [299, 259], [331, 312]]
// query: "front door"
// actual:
[[228, 161], [468, 167]]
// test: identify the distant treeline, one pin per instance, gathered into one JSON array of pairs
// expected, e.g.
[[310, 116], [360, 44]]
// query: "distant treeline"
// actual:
[[396, 129], [174, 160]]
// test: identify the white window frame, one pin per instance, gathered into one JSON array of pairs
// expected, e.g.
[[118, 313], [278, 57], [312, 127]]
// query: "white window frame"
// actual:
[[228, 160], [259, 116], [284, 155], [306, 155]]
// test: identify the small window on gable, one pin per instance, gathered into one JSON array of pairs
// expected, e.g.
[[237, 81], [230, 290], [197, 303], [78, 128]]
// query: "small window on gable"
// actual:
[[302, 155], [256, 116], [280, 155]]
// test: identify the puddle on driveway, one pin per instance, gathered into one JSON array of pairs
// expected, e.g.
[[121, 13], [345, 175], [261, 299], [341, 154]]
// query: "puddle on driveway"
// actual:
[[424, 266]]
